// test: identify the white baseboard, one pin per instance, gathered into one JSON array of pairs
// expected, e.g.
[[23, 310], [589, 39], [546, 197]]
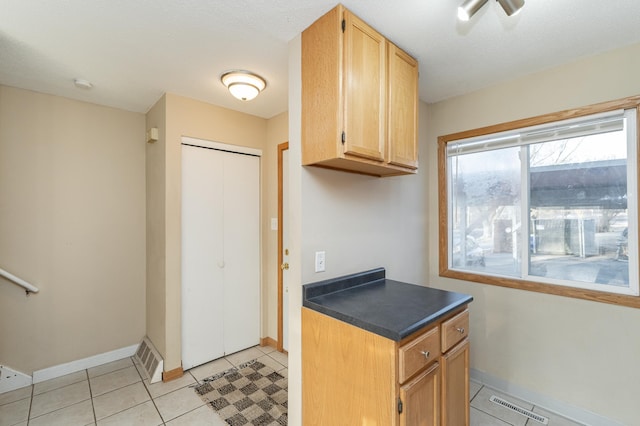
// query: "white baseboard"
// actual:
[[11, 379], [82, 364], [561, 408]]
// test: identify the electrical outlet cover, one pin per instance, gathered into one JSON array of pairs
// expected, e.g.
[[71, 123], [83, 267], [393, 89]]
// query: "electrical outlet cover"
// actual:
[[320, 261]]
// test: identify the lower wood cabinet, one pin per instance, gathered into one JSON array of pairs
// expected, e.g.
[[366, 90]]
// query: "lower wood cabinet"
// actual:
[[353, 376]]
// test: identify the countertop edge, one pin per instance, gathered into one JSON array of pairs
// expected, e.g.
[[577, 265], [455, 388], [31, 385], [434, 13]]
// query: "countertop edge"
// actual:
[[384, 332], [435, 317], [396, 334]]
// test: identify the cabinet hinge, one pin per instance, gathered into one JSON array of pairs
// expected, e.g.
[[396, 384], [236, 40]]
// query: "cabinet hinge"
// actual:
[[344, 137], [399, 406], [344, 25]]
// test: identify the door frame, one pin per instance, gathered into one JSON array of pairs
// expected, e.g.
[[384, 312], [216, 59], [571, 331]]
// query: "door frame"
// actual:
[[281, 148]]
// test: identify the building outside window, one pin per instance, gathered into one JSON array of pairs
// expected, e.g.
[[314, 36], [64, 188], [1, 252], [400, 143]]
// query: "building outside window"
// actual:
[[547, 206]]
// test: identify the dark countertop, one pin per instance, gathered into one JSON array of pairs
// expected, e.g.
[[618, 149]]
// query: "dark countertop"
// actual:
[[368, 300]]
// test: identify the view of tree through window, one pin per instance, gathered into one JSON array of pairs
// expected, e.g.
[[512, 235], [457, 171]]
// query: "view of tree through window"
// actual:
[[548, 205]]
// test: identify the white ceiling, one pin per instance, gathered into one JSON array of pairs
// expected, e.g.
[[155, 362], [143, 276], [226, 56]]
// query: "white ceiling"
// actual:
[[135, 50]]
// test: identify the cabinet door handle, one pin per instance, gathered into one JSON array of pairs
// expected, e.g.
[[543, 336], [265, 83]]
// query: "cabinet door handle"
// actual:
[[425, 353], [461, 330]]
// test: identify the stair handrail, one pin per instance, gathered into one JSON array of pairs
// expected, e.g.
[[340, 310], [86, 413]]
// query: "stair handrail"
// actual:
[[30, 288]]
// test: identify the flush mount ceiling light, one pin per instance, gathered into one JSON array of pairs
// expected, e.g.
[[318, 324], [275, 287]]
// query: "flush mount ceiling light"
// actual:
[[81, 83], [243, 85], [470, 7]]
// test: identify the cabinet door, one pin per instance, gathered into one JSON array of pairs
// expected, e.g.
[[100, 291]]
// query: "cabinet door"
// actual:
[[455, 386], [240, 300], [403, 109], [365, 85], [421, 399]]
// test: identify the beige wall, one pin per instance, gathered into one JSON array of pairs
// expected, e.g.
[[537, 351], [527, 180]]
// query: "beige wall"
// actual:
[[72, 222], [582, 353], [155, 223], [188, 117]]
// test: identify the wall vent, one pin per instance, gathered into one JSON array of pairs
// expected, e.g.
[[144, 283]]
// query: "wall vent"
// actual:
[[11, 379], [533, 416], [150, 359]]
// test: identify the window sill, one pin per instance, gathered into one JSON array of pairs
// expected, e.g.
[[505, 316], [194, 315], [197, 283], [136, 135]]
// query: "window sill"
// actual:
[[558, 290]]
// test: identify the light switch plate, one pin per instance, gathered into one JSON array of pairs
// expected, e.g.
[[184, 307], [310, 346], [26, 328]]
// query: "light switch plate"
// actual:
[[320, 261], [274, 223]]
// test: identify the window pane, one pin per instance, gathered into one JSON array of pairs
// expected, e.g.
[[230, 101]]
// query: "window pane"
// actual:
[[485, 227], [551, 204], [578, 209]]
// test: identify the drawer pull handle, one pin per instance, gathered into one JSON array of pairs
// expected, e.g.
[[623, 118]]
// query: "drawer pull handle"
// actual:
[[425, 353], [461, 330]]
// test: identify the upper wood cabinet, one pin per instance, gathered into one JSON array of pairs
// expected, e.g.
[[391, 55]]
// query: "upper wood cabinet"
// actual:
[[359, 98]]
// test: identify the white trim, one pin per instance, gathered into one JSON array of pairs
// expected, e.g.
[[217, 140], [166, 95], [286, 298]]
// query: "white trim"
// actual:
[[553, 405], [221, 146], [11, 379], [82, 364], [632, 198], [564, 129]]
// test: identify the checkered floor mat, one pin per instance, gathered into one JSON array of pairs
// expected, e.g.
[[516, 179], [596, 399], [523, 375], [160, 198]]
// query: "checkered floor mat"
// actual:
[[252, 394]]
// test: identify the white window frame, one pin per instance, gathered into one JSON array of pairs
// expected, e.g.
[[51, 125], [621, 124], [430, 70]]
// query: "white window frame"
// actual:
[[593, 119]]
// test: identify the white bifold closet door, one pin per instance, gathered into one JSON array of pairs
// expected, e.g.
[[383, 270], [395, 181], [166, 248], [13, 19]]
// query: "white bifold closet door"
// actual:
[[220, 253]]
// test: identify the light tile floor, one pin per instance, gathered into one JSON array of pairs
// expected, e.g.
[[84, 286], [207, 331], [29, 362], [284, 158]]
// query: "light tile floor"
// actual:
[[117, 394]]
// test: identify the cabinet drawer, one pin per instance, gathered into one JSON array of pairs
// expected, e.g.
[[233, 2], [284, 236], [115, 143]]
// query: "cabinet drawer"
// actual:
[[419, 353], [454, 330]]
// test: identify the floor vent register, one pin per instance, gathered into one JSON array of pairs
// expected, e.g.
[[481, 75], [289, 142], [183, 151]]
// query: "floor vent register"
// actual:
[[533, 416], [150, 359]]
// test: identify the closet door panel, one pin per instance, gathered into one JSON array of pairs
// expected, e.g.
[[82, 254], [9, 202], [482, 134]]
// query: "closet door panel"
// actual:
[[241, 208], [202, 256]]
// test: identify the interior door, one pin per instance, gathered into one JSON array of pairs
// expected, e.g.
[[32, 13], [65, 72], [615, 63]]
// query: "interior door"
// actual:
[[285, 245], [202, 256]]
